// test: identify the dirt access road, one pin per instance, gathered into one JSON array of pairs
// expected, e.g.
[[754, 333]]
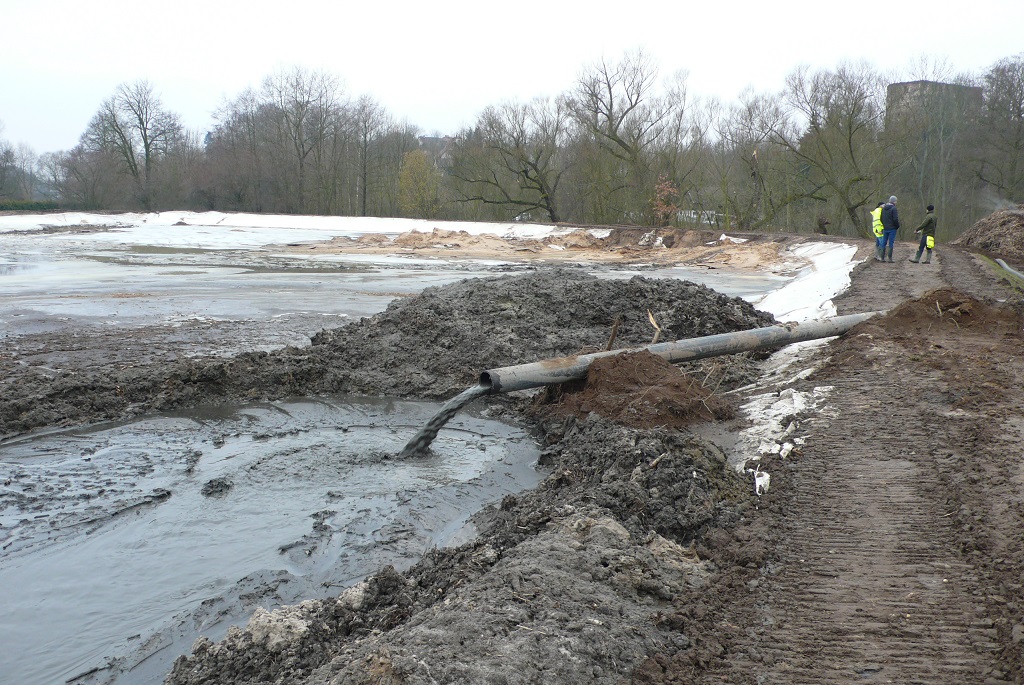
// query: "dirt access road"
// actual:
[[894, 541]]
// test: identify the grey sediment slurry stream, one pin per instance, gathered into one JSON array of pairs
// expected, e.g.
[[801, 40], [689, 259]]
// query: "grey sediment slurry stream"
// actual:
[[417, 447]]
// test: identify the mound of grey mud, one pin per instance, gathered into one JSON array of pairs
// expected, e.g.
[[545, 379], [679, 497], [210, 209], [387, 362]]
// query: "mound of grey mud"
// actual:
[[429, 346]]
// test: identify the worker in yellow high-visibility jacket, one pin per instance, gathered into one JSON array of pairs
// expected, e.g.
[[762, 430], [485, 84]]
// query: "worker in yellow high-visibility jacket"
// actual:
[[877, 228]]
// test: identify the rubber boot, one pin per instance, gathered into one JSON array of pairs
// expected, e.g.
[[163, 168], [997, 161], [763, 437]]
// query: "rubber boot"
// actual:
[[917, 257], [888, 254], [928, 257], [878, 253]]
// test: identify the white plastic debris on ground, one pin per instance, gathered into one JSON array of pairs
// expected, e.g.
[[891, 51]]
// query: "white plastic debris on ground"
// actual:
[[774, 417], [651, 239], [809, 295], [775, 420], [761, 481], [725, 239]]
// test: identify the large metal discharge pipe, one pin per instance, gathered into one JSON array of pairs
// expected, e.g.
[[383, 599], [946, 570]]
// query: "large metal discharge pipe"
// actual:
[[563, 369]]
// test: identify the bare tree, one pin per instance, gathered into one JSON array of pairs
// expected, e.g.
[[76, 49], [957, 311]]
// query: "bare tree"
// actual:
[[618, 108], [53, 172], [681, 153], [390, 150], [615, 102], [25, 163], [134, 126], [1001, 144], [7, 166], [92, 179], [236, 154], [841, 154], [370, 122], [305, 108], [7, 169], [747, 167], [514, 159], [300, 145]]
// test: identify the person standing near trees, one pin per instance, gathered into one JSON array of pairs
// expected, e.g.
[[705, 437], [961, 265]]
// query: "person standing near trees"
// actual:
[[927, 231], [890, 224], [876, 227]]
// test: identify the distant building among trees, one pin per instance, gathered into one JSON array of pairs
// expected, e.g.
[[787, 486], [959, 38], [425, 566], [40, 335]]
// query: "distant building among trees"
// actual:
[[910, 96], [440, 150]]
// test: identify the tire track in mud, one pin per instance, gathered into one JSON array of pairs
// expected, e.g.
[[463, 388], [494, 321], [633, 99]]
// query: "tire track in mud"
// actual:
[[866, 586], [869, 586], [893, 283], [868, 581]]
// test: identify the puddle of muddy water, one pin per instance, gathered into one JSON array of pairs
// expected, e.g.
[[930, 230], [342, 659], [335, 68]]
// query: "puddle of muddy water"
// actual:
[[123, 542]]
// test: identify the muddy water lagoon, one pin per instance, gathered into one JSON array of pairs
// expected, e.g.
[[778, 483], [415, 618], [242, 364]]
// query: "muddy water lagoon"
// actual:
[[103, 272], [123, 542], [126, 539]]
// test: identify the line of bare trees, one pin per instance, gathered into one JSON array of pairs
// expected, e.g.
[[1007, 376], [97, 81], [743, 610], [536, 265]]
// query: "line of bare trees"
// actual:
[[620, 145]]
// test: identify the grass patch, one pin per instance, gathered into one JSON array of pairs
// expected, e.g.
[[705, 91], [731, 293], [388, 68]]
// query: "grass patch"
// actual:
[[1015, 281]]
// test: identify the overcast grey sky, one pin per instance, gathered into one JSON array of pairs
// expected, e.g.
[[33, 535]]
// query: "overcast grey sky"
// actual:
[[438, 64]]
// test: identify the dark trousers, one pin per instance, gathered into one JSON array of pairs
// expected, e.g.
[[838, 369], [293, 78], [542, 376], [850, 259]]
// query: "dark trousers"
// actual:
[[921, 247]]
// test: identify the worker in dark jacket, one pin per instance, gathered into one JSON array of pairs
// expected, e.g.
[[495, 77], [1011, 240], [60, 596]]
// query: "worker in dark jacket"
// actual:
[[890, 224], [927, 231]]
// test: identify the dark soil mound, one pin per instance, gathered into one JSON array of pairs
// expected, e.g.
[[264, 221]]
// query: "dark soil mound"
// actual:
[[437, 343], [1000, 233], [577, 582], [642, 390]]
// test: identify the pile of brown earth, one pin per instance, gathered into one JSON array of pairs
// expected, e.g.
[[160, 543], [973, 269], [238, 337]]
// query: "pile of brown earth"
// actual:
[[1000, 233], [642, 390]]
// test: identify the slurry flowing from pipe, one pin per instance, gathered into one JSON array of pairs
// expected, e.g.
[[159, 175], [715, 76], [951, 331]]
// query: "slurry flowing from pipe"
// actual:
[[417, 447]]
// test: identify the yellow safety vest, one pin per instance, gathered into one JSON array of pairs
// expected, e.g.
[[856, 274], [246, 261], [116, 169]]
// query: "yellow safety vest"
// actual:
[[876, 222]]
